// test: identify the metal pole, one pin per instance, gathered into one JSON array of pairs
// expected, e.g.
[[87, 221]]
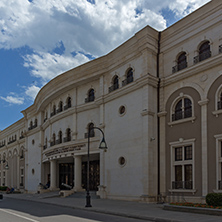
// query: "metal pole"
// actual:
[[88, 198]]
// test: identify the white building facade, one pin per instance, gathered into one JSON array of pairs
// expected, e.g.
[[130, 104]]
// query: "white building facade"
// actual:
[[157, 97]]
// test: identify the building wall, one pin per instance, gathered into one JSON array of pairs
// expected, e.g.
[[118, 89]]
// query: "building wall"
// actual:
[[141, 134]]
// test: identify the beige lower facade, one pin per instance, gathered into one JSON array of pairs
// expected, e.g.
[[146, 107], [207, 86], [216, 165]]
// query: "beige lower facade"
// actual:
[[158, 100]]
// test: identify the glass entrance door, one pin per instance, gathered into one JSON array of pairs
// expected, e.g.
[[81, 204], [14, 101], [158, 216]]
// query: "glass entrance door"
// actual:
[[93, 175], [66, 175]]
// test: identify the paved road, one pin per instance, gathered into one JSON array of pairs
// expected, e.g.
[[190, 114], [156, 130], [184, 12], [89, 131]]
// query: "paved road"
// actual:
[[12, 210]]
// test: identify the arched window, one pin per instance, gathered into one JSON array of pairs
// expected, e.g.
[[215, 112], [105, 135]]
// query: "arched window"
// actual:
[[115, 84], [129, 77], [69, 102], [68, 135], [30, 125], [36, 123], [21, 153], [204, 52], [60, 108], [219, 99], [53, 110], [90, 96], [60, 137], [183, 109], [53, 142], [181, 63], [46, 116], [90, 130], [219, 103]]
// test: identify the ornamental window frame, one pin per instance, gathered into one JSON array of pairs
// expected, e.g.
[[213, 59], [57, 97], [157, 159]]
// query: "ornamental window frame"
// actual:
[[218, 99], [129, 76], [68, 103], [68, 134], [59, 141], [183, 162], [90, 131], [218, 188], [204, 51], [218, 102], [181, 62], [60, 107], [90, 95], [114, 83], [183, 118]]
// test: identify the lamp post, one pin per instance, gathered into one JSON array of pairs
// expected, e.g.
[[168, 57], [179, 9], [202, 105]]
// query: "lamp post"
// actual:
[[102, 145]]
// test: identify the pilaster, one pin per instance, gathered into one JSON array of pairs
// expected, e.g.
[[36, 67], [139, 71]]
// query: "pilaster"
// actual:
[[203, 104]]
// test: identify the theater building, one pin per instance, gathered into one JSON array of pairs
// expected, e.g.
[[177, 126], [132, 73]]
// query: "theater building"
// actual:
[[158, 100]]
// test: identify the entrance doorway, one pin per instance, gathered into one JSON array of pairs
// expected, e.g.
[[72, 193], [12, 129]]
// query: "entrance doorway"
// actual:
[[94, 175], [66, 175]]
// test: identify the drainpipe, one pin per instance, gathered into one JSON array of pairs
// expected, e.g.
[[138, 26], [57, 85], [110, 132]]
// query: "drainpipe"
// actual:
[[158, 118]]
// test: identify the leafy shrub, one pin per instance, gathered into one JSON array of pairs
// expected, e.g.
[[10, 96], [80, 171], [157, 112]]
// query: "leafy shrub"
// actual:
[[214, 199], [3, 188]]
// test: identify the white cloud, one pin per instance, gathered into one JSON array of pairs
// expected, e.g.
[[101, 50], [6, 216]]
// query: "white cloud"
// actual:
[[82, 26], [32, 91], [93, 29], [47, 66], [183, 8], [13, 99]]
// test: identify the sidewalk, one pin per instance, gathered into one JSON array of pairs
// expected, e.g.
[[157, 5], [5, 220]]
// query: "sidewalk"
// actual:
[[145, 211]]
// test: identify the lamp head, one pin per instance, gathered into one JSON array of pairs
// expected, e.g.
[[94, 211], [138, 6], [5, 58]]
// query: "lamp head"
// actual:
[[6, 166], [103, 144]]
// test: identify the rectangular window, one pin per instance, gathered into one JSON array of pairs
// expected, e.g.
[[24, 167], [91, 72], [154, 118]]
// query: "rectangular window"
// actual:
[[188, 152], [218, 161], [178, 154], [178, 184], [182, 164], [188, 176]]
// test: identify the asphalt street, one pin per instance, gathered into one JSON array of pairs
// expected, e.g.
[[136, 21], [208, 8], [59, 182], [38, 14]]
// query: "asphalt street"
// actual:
[[12, 210]]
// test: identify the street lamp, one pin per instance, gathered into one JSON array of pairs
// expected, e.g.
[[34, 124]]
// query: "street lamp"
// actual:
[[102, 145], [6, 166]]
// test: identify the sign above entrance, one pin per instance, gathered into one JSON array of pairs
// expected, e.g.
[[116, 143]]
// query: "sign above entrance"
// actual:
[[65, 150]]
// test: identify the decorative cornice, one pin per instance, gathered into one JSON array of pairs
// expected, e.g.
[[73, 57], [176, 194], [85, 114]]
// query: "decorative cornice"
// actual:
[[191, 70]]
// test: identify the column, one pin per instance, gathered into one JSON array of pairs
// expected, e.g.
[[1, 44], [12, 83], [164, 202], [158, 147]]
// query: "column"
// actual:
[[203, 104], [53, 174], [162, 153], [78, 173], [18, 171]]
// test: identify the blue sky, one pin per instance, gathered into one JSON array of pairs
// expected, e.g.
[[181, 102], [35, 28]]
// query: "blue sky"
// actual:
[[41, 39]]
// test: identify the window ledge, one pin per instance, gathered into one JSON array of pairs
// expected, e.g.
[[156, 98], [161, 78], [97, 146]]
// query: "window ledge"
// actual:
[[217, 112], [217, 191], [183, 191], [190, 119]]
